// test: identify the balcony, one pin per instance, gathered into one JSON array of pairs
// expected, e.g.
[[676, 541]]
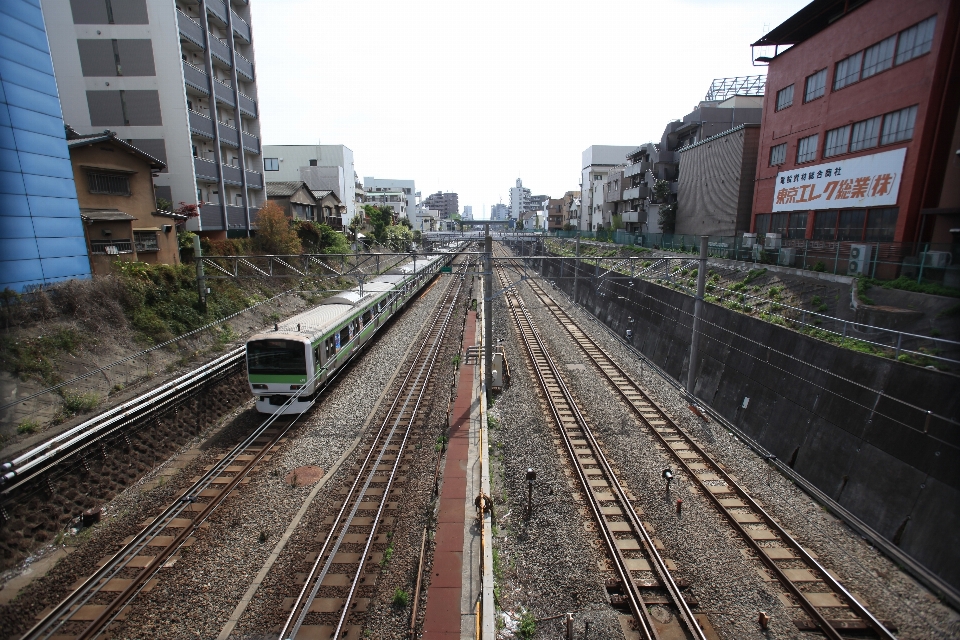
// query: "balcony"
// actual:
[[229, 135], [210, 217], [641, 191], [219, 49], [251, 143], [240, 27], [196, 78], [218, 9], [244, 67], [237, 217], [635, 169], [254, 180], [224, 93], [232, 175], [190, 29], [201, 125], [205, 169], [248, 105], [635, 216]]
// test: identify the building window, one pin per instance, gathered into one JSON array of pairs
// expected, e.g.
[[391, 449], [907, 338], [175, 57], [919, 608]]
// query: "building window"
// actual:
[[881, 224], [807, 149], [898, 125], [916, 40], [848, 71], [763, 223], [313, 162], [866, 133], [238, 199], [784, 97], [816, 85], [825, 225], [850, 226], [778, 154], [111, 247], [837, 140], [879, 57], [113, 184], [271, 164], [797, 229], [145, 241]]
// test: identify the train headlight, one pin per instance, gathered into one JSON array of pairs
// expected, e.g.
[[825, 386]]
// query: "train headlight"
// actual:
[[294, 387], [260, 386]]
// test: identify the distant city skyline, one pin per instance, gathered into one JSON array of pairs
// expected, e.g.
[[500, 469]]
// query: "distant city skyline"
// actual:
[[471, 141]]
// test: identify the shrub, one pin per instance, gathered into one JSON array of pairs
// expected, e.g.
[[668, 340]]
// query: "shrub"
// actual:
[[275, 234], [74, 403], [400, 598], [28, 426], [528, 625]]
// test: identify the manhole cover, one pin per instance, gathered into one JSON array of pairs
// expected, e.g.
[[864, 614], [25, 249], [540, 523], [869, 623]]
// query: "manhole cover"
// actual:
[[304, 475]]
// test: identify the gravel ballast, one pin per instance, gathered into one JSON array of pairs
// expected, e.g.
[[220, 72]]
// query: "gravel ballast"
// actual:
[[707, 551]]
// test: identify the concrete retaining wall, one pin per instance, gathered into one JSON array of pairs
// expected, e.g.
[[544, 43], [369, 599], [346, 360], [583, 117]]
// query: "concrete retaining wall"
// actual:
[[813, 405]]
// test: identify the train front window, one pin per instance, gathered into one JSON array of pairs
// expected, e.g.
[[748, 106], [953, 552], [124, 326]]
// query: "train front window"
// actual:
[[278, 357]]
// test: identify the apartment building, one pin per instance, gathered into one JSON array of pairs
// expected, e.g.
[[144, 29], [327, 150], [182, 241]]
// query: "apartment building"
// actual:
[[596, 162], [324, 167], [499, 211], [467, 212], [408, 187], [860, 128], [41, 232], [175, 78], [446, 203]]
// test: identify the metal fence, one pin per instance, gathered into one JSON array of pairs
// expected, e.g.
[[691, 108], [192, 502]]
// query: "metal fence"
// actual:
[[924, 262]]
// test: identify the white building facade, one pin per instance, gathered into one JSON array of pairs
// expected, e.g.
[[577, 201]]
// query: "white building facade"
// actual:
[[408, 187], [176, 80], [596, 162], [321, 166]]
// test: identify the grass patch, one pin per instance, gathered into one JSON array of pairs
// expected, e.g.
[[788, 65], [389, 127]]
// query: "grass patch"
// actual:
[[400, 598], [908, 284], [33, 357], [74, 403], [528, 625], [28, 426]]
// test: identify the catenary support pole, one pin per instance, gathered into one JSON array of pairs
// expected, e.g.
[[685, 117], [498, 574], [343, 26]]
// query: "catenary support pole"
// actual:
[[201, 279], [576, 269], [488, 310], [697, 311]]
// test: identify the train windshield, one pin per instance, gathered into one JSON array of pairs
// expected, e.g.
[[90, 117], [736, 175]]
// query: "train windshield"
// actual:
[[277, 357]]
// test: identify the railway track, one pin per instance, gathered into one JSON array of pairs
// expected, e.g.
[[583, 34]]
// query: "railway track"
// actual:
[[644, 575], [810, 588], [353, 542]]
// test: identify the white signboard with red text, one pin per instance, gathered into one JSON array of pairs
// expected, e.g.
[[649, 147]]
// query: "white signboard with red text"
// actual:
[[867, 181]]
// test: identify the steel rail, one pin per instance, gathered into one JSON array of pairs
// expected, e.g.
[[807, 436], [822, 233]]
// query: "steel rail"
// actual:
[[537, 351], [625, 386], [316, 575]]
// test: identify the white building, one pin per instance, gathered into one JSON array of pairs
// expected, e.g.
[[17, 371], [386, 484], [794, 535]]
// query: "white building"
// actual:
[[519, 200], [321, 166], [147, 69], [499, 211], [467, 212], [597, 160], [408, 187]]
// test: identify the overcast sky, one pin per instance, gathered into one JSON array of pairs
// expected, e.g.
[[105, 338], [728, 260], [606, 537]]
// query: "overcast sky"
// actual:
[[468, 97]]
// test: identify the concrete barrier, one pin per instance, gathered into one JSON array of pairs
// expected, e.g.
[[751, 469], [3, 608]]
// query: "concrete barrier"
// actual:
[[855, 425]]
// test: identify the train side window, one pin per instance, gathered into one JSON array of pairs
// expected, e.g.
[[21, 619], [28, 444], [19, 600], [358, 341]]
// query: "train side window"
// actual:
[[367, 317]]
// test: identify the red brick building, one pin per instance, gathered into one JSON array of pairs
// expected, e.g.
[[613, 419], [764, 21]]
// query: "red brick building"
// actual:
[[859, 124]]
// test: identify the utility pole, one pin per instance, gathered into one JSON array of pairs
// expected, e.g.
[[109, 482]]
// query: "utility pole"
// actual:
[[697, 311], [488, 310], [576, 268], [201, 279]]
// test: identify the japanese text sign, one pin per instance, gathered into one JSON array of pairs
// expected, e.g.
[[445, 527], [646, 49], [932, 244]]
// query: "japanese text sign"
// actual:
[[867, 181]]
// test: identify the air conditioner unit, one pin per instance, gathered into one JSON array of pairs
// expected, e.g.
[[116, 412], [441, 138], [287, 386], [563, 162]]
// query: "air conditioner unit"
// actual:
[[749, 239], [771, 241], [788, 255], [938, 259], [859, 263]]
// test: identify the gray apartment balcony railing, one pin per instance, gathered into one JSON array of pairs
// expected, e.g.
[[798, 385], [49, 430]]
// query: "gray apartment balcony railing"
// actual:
[[200, 124], [229, 135], [236, 217], [641, 191], [190, 28], [224, 93], [254, 180], [635, 169], [205, 169], [251, 142], [240, 27], [196, 78], [232, 175], [219, 49], [248, 105], [244, 67], [218, 9], [210, 217]]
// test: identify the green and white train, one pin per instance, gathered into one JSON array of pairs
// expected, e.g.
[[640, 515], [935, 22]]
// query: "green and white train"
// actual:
[[302, 353]]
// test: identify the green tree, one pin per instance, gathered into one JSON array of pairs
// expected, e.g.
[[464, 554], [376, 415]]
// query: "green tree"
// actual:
[[405, 221], [275, 233], [380, 218], [667, 217], [320, 238], [398, 237]]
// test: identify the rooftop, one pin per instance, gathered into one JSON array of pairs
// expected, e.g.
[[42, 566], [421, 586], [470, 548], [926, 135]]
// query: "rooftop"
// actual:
[[284, 189], [809, 21]]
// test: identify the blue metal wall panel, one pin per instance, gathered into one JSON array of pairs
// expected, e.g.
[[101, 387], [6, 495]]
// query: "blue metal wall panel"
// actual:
[[41, 234]]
